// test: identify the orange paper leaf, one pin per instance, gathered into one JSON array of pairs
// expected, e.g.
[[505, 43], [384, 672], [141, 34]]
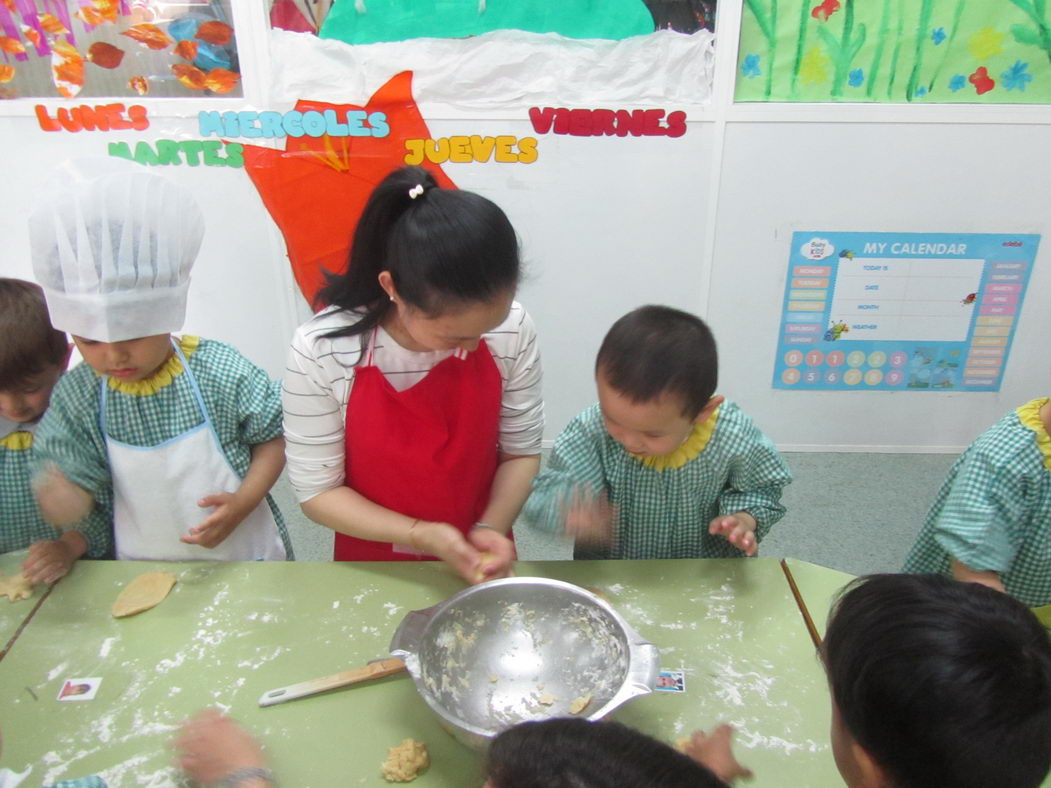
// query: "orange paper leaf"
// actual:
[[105, 55], [11, 46], [186, 49], [150, 35], [7, 73], [11, 6], [67, 69], [190, 76], [90, 16], [218, 33], [52, 25], [32, 35], [108, 9], [221, 80], [66, 50], [140, 85]]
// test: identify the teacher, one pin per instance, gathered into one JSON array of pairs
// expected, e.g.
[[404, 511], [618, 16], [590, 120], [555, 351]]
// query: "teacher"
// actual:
[[413, 413]]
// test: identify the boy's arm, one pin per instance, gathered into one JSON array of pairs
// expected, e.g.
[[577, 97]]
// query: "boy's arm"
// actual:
[[756, 480], [573, 471], [268, 459], [965, 574]]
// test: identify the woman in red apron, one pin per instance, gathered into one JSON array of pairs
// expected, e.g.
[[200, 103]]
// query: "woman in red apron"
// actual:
[[413, 414]]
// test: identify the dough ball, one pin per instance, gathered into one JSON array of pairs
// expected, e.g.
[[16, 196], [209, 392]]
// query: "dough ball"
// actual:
[[405, 761]]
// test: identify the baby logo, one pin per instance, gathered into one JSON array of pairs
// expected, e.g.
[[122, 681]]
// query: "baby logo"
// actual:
[[817, 249]]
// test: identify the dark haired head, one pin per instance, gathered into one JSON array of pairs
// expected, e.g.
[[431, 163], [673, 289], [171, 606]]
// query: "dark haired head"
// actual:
[[942, 683], [30, 345], [575, 753], [657, 350], [444, 248]]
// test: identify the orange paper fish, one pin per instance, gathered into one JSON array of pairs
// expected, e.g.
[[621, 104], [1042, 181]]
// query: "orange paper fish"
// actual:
[[7, 73], [221, 80], [186, 49], [191, 76], [67, 69], [52, 25], [218, 33], [12, 46], [150, 35], [105, 55], [140, 85]]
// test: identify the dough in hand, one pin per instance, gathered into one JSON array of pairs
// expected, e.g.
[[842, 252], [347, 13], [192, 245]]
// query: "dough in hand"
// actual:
[[142, 593], [405, 761], [486, 558], [16, 587]]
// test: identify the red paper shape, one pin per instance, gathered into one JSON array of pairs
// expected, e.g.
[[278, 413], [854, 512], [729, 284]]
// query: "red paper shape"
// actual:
[[316, 188], [981, 80]]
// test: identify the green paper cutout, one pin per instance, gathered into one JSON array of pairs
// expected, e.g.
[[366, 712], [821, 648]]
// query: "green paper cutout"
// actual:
[[399, 20]]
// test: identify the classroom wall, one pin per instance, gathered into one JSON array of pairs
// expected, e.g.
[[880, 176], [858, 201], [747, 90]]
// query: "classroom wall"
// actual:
[[701, 222]]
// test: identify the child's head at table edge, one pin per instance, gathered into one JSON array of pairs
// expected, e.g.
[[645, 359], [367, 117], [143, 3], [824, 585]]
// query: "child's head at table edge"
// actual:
[[656, 373], [113, 245], [33, 354], [571, 752], [937, 683], [436, 267]]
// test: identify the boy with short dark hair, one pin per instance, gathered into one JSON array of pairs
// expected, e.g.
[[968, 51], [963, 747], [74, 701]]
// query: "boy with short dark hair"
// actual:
[[33, 356], [661, 467], [937, 683]]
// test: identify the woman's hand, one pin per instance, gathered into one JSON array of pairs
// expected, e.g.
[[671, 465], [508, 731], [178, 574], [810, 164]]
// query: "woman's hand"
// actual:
[[446, 542], [498, 553]]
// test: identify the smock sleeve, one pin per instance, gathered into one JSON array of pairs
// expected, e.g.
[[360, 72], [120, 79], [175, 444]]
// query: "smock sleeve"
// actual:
[[758, 474], [69, 435], [575, 463]]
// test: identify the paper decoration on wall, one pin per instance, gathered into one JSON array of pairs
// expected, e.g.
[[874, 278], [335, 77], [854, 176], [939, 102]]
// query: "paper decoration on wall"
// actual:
[[372, 21], [895, 51], [901, 311], [508, 70], [316, 187], [78, 48]]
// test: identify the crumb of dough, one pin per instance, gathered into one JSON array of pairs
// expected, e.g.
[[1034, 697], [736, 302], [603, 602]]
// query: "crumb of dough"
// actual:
[[546, 699], [145, 591], [579, 704], [493, 678], [405, 761], [16, 587], [485, 559], [682, 743]]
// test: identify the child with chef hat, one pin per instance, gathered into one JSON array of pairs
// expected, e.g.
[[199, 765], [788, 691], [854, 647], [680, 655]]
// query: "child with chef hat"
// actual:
[[179, 436]]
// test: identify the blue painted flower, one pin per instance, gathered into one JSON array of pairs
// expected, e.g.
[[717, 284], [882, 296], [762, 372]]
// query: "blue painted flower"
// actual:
[[856, 77], [938, 35], [750, 66], [958, 82], [1016, 76], [921, 91]]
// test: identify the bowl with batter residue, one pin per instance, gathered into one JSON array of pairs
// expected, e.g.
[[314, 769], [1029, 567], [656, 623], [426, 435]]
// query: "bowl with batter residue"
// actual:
[[522, 648]]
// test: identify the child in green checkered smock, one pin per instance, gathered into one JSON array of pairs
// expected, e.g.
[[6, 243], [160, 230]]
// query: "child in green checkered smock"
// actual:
[[660, 468], [180, 439], [991, 520], [32, 358]]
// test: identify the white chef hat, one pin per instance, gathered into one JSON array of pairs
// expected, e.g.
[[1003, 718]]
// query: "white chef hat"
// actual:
[[112, 245]]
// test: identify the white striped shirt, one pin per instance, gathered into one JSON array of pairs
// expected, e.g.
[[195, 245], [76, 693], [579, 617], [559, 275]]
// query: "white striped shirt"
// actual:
[[320, 374]]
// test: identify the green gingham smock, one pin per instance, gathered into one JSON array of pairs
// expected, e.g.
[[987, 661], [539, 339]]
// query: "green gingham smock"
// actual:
[[21, 523], [244, 404], [993, 513], [664, 511]]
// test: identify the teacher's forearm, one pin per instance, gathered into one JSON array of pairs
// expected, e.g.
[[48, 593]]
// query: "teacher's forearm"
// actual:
[[348, 512], [510, 488]]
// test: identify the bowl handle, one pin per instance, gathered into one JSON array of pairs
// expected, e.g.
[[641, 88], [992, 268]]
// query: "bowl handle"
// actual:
[[644, 666], [406, 640]]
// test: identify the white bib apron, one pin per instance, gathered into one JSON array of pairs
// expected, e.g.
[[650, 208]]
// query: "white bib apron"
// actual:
[[156, 489]]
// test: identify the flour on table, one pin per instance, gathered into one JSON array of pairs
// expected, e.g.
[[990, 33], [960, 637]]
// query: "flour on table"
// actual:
[[405, 761]]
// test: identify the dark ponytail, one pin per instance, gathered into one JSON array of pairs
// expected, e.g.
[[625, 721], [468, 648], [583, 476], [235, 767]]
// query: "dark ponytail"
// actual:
[[444, 248]]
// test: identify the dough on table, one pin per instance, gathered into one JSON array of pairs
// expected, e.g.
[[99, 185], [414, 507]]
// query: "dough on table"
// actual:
[[405, 761], [142, 593], [16, 587]]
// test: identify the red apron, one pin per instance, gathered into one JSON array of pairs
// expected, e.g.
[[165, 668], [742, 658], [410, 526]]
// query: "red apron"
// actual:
[[428, 452]]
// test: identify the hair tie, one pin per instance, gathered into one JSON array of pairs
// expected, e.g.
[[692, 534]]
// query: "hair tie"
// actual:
[[416, 191]]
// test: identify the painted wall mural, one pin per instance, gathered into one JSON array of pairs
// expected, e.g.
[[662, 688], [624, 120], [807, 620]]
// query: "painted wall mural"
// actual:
[[949, 51]]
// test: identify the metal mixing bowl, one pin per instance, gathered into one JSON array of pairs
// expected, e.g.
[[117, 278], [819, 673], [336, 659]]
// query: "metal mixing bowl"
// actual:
[[522, 648]]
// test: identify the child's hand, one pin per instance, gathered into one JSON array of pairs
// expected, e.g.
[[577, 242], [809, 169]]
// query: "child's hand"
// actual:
[[62, 502], [739, 530], [499, 554], [589, 517], [713, 750], [213, 529], [48, 561], [211, 747]]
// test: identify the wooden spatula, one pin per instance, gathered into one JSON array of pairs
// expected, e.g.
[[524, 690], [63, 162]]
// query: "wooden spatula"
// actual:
[[374, 670]]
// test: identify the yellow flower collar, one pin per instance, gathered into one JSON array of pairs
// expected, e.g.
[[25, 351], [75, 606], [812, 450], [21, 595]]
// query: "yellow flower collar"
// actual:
[[163, 377], [690, 448], [18, 440], [1029, 415]]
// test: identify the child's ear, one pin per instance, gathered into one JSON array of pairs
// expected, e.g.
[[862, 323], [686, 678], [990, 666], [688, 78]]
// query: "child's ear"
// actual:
[[65, 361], [870, 774], [709, 409]]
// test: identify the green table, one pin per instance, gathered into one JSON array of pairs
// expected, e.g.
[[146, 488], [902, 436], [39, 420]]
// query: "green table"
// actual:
[[229, 632], [14, 614], [818, 586]]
